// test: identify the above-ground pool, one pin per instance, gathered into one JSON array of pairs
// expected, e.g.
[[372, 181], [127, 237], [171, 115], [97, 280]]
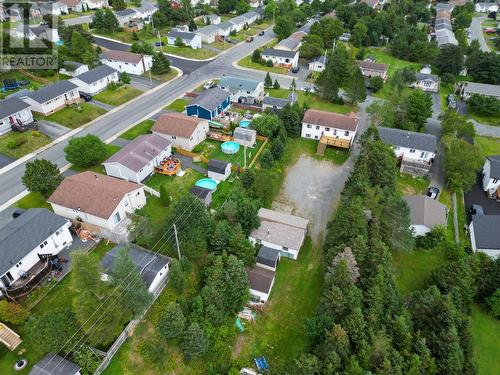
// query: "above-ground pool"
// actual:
[[207, 183], [230, 147], [245, 123]]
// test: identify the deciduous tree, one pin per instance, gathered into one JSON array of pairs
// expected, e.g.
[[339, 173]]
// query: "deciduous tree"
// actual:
[[85, 151], [41, 176]]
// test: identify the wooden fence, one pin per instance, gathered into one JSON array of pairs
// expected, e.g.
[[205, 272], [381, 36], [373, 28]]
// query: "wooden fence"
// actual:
[[191, 154], [34, 77]]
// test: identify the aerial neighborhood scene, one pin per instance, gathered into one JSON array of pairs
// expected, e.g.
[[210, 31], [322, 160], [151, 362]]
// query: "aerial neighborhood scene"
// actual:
[[249, 187]]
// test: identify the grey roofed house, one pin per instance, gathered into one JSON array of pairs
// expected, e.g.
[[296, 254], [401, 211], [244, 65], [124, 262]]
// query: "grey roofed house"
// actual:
[[94, 75], [10, 106], [426, 211], [24, 233], [52, 91], [217, 166], [184, 35], [244, 133], [238, 20], [307, 27], [408, 139], [147, 263], [210, 99], [494, 166], [277, 103], [481, 89], [280, 217], [125, 12], [268, 257], [212, 17], [321, 59], [279, 53], [226, 25], [250, 14], [237, 83], [486, 228], [445, 36], [425, 76], [19, 94], [279, 234], [53, 364], [208, 30], [260, 279], [289, 43], [203, 194], [76, 64], [140, 151]]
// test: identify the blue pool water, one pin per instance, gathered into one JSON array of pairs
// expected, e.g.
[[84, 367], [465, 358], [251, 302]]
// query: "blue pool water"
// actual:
[[207, 183], [230, 147], [245, 123]]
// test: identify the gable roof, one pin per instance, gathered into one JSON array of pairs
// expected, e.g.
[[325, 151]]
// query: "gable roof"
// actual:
[[237, 83], [225, 25], [244, 133], [279, 53], [260, 279], [494, 166], [279, 234], [22, 234], [250, 14], [210, 99], [125, 12], [52, 91], [425, 76], [482, 89], [200, 192], [140, 151], [238, 20], [217, 166], [280, 217], [268, 256], [185, 35], [330, 119], [486, 228], [70, 3], [10, 106], [94, 75], [92, 193], [426, 211], [408, 139], [275, 102], [209, 29], [321, 59], [289, 43], [53, 364], [373, 66], [125, 56], [176, 124]]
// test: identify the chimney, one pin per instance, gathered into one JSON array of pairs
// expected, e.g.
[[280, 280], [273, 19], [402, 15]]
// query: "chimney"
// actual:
[[96, 177], [268, 232]]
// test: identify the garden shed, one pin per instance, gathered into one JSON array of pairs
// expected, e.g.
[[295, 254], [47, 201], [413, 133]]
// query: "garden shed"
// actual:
[[245, 137]]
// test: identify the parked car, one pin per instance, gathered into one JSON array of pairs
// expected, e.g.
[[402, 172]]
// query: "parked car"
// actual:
[[208, 85], [476, 209], [158, 44], [261, 33], [85, 96], [249, 39], [432, 192], [295, 69], [452, 103]]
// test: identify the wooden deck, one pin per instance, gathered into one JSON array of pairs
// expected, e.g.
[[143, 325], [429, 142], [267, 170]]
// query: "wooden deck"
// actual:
[[8, 337], [326, 141]]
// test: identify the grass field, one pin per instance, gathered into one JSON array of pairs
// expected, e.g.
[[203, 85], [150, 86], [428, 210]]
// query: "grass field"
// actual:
[[199, 54], [489, 120], [247, 62], [140, 129], [27, 142], [176, 186], [162, 77], [73, 118], [18, 76], [211, 150], [119, 96], [487, 145], [178, 105], [409, 185], [383, 56], [309, 146], [485, 331]]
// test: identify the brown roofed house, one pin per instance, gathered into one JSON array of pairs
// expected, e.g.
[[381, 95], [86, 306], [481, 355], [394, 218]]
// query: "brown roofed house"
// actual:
[[373, 69], [261, 281], [183, 131], [425, 213]]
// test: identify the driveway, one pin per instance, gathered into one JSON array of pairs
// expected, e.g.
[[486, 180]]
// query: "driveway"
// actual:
[[478, 196], [433, 127], [5, 160], [51, 129], [143, 83], [187, 162], [97, 103]]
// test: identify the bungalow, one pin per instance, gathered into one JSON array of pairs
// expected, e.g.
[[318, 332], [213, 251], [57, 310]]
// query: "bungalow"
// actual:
[[152, 266], [373, 69], [136, 161], [486, 7], [415, 151], [218, 169], [100, 203], [226, 27], [44, 32], [491, 176], [280, 231], [131, 63], [425, 213], [426, 82], [328, 127], [125, 16], [244, 136], [286, 59], [318, 64], [29, 238], [212, 19], [74, 5], [54, 8], [56, 365], [445, 37], [261, 281], [203, 194], [73, 68], [251, 17], [289, 44], [273, 103], [188, 38], [95, 80], [469, 88], [97, 4], [52, 98], [14, 111], [183, 131], [484, 236], [239, 23], [209, 104], [208, 33], [268, 258], [243, 90]]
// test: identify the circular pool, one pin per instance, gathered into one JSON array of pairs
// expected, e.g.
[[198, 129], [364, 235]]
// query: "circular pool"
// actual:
[[207, 183], [230, 147], [245, 123]]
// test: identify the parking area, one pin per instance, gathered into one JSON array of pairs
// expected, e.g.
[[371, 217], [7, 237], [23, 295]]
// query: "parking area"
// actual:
[[478, 196]]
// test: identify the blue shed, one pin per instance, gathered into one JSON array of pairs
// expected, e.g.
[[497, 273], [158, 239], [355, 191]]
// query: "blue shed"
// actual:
[[209, 104]]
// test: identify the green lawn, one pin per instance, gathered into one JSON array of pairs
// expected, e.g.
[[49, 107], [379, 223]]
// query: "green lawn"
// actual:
[[161, 77], [98, 168], [384, 57], [211, 150], [140, 129], [72, 117], [178, 104], [247, 62], [409, 185], [309, 146], [119, 96], [33, 200], [177, 186], [16, 145], [14, 74], [199, 54], [444, 91], [485, 331], [487, 145], [489, 120]]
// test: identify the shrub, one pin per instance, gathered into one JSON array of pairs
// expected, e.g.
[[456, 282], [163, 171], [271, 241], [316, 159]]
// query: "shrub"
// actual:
[[269, 63], [12, 313], [85, 151], [112, 86], [233, 32], [194, 341], [16, 142], [376, 83], [493, 303], [153, 353], [164, 196], [447, 78], [266, 159], [36, 133], [125, 78], [431, 239], [360, 55], [172, 322]]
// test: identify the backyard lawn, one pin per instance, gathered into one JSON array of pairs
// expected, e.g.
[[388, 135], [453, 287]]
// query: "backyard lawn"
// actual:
[[16, 145], [71, 117], [409, 185], [176, 186], [485, 331], [140, 129], [212, 150], [309, 146], [384, 57], [119, 96], [178, 104], [489, 120], [18, 76], [487, 145]]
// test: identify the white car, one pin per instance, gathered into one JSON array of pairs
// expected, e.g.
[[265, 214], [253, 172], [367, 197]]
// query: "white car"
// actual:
[[208, 85]]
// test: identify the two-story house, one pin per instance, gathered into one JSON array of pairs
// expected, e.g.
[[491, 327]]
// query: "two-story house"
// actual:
[[183, 131], [282, 58], [243, 90], [491, 176], [209, 104], [129, 62]]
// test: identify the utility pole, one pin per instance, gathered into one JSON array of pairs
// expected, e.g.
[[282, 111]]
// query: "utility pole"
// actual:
[[245, 156], [177, 242]]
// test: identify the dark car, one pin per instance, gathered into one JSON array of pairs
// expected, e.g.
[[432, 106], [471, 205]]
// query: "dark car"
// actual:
[[158, 44], [261, 33], [476, 209], [432, 192], [295, 69], [85, 96]]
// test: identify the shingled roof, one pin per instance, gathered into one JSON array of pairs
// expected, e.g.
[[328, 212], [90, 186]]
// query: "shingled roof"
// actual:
[[210, 99], [125, 56], [426, 211], [10, 106], [330, 119], [176, 124], [408, 139], [486, 228], [260, 279], [94, 75], [494, 166]]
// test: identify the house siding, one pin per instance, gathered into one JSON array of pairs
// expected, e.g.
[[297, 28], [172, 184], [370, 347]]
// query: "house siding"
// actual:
[[198, 111], [25, 116], [95, 87], [490, 185], [198, 136], [315, 131], [288, 253], [138, 69], [55, 104]]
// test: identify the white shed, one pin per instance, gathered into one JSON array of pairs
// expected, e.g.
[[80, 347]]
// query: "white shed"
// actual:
[[219, 170], [244, 136]]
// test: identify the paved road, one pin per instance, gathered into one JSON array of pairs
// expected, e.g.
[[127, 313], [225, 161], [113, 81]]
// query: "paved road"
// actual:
[[477, 32], [433, 126]]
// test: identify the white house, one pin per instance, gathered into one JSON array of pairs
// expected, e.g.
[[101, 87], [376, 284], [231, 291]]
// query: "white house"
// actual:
[[425, 213], [280, 231], [245, 136], [46, 33], [73, 68], [470, 88], [239, 23], [243, 89], [14, 111], [261, 282], [212, 19], [97, 4], [126, 15], [75, 5], [225, 28], [51, 98], [484, 236], [183, 131], [218, 169], [137, 160], [55, 8], [251, 17], [146, 11], [101, 203], [317, 124], [286, 59], [28, 237], [486, 7], [371, 69], [318, 64], [188, 38], [95, 80], [426, 82], [152, 266], [209, 33], [132, 63], [491, 175], [55, 364]]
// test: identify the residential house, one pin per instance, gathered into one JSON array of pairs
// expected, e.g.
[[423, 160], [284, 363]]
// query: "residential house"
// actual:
[[443, 29], [208, 33], [292, 43], [281, 58], [484, 236], [209, 104], [188, 38], [44, 32], [415, 151], [226, 27], [345, 37], [425, 213], [136, 160], [131, 63], [491, 176], [251, 17], [239, 23], [426, 82], [244, 136], [75, 5], [96, 80], [97, 4], [280, 231], [486, 7], [332, 128], [261, 281], [243, 90], [73, 68], [126, 15], [181, 28], [274, 104], [203, 194], [374, 4], [470, 88], [268, 258], [145, 12], [373, 69], [100, 203], [54, 364], [56, 8], [212, 19], [218, 169], [29, 238], [445, 37], [15, 13], [256, 3], [318, 64], [183, 131], [22, 32], [153, 267], [52, 98], [14, 111]]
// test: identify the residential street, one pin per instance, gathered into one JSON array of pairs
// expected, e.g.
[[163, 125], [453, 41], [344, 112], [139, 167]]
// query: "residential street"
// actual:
[[477, 33]]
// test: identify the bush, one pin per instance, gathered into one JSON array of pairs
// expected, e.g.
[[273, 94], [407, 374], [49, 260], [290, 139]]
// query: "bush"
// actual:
[[36, 133], [269, 63], [194, 341], [360, 55], [484, 105], [233, 32], [266, 159], [493, 303], [153, 353], [431, 239], [125, 78], [447, 79], [85, 151], [376, 83], [172, 322], [41, 176], [164, 195], [12, 313], [16, 142], [112, 86]]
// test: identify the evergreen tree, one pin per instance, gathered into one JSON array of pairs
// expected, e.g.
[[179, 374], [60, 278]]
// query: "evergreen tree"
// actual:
[[266, 159], [79, 45], [172, 321], [110, 22], [194, 341], [161, 65], [276, 84], [119, 4], [356, 87], [268, 82]]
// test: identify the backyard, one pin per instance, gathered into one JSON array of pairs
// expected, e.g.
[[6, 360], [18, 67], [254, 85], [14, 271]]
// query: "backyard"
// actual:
[[119, 96], [16, 145], [18, 76], [74, 116], [211, 149]]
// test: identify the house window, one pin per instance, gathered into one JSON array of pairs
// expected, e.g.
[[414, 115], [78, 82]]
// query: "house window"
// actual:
[[346, 133], [412, 151], [309, 126], [174, 137], [308, 135], [317, 127], [126, 203], [138, 193], [327, 129], [315, 137], [495, 180], [116, 218], [423, 154], [335, 132], [285, 248]]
